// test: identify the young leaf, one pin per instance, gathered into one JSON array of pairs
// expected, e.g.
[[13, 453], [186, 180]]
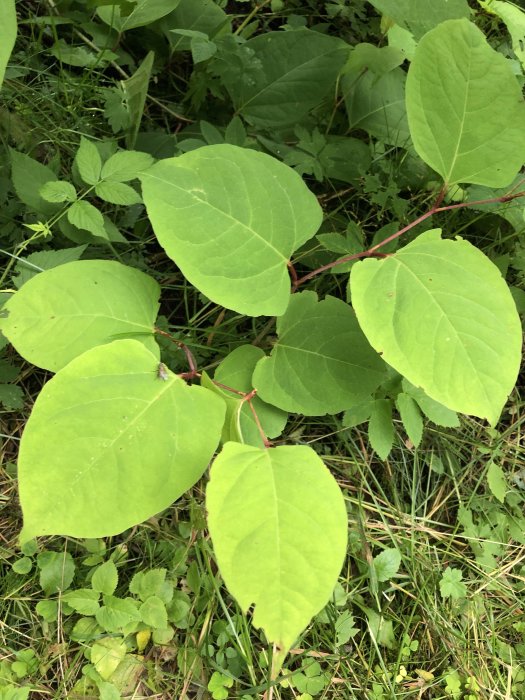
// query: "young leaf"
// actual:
[[58, 191], [387, 563], [322, 363], [7, 33], [88, 162], [465, 108], [118, 193], [153, 612], [278, 523], [108, 445], [116, 613], [380, 427], [80, 304], [440, 313], [56, 571], [497, 481], [85, 216], [105, 578], [82, 600], [411, 417], [451, 585], [231, 218], [135, 91], [124, 166], [276, 78]]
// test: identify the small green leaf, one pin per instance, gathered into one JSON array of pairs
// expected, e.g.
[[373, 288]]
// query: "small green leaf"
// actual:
[[386, 564], [218, 685], [497, 481], [433, 410], [56, 571], [88, 162], [105, 578], [118, 193], [85, 216], [279, 528], [124, 166], [411, 417], [82, 600], [380, 427], [153, 612], [22, 565], [58, 191], [117, 613], [47, 609], [441, 314], [451, 585], [106, 654], [147, 583], [465, 107], [29, 176]]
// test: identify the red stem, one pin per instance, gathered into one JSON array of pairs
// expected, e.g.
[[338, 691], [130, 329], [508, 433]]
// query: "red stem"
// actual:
[[371, 252]]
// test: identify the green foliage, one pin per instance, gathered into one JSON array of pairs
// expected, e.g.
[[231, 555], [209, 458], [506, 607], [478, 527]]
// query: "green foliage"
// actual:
[[7, 34]]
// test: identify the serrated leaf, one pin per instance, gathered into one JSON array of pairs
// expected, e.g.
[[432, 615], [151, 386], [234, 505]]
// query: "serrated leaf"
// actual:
[[441, 314], [236, 371], [58, 191], [82, 600], [84, 304], [106, 654], [387, 563], [497, 481], [7, 33], [411, 417], [276, 78], [451, 585], [147, 583], [11, 397], [124, 166], [44, 260], [118, 193], [249, 211], [278, 524], [57, 570], [29, 176], [322, 363], [465, 108], [88, 161], [85, 216], [105, 578], [153, 612], [109, 445], [380, 427], [420, 16], [117, 613]]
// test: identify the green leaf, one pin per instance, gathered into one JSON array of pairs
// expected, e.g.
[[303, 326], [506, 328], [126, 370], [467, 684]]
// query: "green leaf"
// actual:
[[514, 18], [451, 585], [117, 613], [245, 209], [144, 12], [153, 612], [82, 304], [11, 397], [433, 410], [56, 571], [105, 578], [218, 685], [124, 166], [7, 33], [148, 583], [22, 566], [236, 371], [135, 91], [48, 609], [441, 314], [88, 161], [29, 176], [465, 108], [276, 78], [200, 16], [497, 481], [278, 523], [387, 563], [109, 445], [118, 193], [322, 363], [420, 16], [82, 600], [106, 654], [411, 417], [58, 191], [85, 216], [380, 427]]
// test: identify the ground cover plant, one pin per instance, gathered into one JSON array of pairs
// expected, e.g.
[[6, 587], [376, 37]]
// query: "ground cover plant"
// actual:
[[264, 277]]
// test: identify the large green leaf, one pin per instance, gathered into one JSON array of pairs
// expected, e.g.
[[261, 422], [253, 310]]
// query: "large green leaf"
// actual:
[[276, 78], [64, 311], [7, 33], [514, 18], [440, 313], [279, 528], [109, 444], [145, 12], [420, 16], [196, 16], [465, 108], [231, 218], [235, 372], [322, 362]]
